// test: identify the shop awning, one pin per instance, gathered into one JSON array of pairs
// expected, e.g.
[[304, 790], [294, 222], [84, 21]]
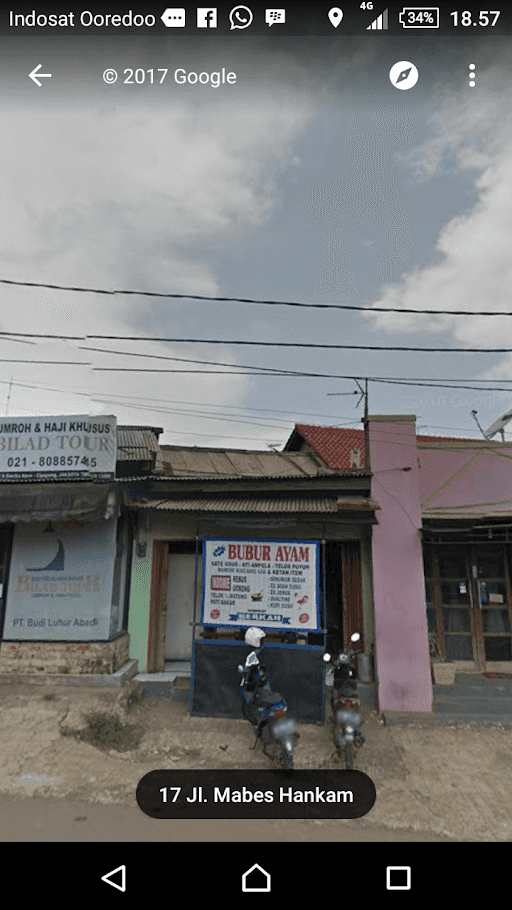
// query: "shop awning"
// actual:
[[469, 513], [57, 501], [316, 504]]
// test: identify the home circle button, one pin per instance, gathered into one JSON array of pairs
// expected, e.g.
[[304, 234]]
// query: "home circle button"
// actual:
[[255, 879]]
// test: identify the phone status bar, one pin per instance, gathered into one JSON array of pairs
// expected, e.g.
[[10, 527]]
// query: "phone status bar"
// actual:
[[298, 19]]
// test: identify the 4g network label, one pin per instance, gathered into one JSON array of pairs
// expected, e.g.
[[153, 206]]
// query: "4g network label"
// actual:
[[256, 794], [268, 583]]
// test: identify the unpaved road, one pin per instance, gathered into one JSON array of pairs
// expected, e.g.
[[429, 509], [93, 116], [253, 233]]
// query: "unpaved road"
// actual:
[[434, 783], [68, 821]]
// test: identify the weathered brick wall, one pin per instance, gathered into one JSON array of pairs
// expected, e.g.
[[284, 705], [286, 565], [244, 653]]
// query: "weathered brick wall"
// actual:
[[70, 658]]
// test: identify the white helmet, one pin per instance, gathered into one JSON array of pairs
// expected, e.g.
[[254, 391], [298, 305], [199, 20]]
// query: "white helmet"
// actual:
[[254, 637]]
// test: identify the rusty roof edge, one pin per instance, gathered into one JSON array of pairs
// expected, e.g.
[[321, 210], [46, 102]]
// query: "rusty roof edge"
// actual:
[[263, 505], [206, 478], [358, 504], [157, 431]]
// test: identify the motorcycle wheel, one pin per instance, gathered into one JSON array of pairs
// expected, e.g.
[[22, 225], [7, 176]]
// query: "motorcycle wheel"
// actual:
[[246, 711], [281, 759], [349, 756]]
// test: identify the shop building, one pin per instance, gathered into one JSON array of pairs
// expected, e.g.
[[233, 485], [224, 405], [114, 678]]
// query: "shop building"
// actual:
[[278, 540], [160, 558], [66, 542], [441, 551]]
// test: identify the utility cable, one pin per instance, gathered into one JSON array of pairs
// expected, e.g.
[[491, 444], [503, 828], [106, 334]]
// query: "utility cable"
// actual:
[[276, 344], [320, 306]]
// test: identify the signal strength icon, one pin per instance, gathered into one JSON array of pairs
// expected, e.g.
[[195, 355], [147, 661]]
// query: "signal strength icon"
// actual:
[[380, 22]]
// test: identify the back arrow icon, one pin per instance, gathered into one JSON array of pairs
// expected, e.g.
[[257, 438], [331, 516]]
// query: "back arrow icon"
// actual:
[[106, 878], [35, 74]]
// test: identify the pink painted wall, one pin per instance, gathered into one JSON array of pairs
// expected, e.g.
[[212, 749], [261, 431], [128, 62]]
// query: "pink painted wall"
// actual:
[[477, 476], [403, 663], [435, 471]]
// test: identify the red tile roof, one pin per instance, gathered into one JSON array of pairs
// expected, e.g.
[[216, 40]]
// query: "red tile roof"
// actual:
[[334, 444]]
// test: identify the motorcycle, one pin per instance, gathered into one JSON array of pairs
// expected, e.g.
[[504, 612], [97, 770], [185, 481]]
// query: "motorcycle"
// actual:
[[266, 710], [345, 704]]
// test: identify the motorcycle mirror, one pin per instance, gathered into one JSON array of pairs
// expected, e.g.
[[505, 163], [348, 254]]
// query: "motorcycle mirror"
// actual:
[[240, 668], [327, 658], [355, 636]]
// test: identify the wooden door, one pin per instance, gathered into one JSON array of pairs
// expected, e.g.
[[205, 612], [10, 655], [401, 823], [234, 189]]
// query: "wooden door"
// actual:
[[469, 603]]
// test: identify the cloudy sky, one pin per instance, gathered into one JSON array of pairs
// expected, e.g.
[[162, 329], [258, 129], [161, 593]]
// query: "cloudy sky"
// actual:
[[311, 180]]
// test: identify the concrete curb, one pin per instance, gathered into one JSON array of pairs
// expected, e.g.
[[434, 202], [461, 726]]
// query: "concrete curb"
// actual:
[[98, 680], [429, 719]]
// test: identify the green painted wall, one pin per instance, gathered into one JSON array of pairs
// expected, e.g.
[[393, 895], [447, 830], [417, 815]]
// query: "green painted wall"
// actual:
[[138, 618]]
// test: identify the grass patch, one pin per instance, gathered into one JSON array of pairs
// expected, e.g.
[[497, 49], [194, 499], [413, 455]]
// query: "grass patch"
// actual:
[[105, 732]]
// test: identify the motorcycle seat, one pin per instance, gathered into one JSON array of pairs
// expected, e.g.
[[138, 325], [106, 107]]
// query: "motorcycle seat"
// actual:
[[268, 698], [345, 686]]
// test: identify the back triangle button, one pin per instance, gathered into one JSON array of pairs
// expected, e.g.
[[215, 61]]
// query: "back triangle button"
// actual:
[[122, 877]]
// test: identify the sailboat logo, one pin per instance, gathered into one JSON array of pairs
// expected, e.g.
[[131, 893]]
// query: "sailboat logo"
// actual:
[[57, 563]]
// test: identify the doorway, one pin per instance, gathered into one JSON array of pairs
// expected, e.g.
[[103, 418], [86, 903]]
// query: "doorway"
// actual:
[[469, 603], [343, 593], [180, 601]]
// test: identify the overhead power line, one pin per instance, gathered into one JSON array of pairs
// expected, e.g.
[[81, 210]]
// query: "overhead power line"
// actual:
[[52, 363], [194, 372], [407, 379], [274, 371], [20, 340], [223, 363], [105, 398], [276, 344], [319, 306], [287, 375], [445, 385], [209, 404], [299, 344]]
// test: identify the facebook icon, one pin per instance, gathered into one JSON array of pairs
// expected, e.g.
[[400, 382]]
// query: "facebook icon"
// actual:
[[206, 17]]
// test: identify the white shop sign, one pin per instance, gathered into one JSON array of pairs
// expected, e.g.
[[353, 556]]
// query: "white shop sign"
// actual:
[[64, 446], [273, 584], [60, 582]]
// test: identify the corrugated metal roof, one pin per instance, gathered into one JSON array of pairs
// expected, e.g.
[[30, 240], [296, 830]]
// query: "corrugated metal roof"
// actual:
[[190, 463], [259, 504], [137, 443]]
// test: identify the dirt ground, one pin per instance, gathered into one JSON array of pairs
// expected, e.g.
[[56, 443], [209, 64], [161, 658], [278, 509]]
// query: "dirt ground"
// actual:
[[89, 746]]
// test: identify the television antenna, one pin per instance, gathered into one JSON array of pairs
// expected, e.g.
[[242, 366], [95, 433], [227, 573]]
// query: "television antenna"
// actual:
[[363, 394]]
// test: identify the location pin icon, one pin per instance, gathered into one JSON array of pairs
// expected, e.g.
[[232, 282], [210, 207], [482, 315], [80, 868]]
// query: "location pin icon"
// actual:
[[335, 16]]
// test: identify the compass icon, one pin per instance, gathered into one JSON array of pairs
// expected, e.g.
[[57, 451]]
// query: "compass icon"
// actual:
[[403, 75]]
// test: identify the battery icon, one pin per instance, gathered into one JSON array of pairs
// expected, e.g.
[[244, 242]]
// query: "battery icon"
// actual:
[[419, 17]]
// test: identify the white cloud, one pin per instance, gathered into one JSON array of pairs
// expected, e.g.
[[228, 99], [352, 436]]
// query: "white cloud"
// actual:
[[133, 197], [473, 267]]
